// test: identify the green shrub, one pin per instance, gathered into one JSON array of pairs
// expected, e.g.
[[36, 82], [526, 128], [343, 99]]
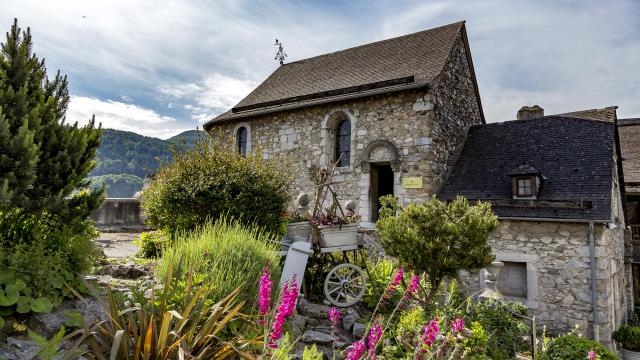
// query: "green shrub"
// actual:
[[39, 253], [570, 347], [226, 255], [151, 243], [628, 336], [436, 238], [379, 273], [212, 181], [503, 328]]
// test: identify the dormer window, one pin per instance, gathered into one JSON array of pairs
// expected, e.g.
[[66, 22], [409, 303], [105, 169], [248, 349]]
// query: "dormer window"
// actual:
[[524, 187], [525, 182]]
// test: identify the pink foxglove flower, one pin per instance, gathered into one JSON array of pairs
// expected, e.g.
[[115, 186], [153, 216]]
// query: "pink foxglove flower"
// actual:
[[430, 331], [284, 310], [457, 326], [264, 294], [356, 350], [375, 333], [592, 355], [393, 285], [334, 315], [413, 285]]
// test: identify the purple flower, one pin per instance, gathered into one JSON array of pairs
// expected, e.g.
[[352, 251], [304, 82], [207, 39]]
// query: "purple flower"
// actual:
[[355, 351], [264, 294], [457, 325], [413, 285], [334, 315], [430, 331], [592, 355], [393, 285], [285, 309], [375, 333]]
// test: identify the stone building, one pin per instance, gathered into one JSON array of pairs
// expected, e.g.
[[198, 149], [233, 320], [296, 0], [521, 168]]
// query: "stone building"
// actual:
[[390, 110], [554, 182], [403, 116], [629, 130]]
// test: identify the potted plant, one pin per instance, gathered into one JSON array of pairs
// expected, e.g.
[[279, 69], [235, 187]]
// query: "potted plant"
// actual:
[[629, 338], [334, 229], [298, 228]]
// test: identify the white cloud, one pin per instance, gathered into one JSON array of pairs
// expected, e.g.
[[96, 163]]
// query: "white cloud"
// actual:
[[210, 96], [122, 116]]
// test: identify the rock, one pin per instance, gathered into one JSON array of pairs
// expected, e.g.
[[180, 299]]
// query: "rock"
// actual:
[[19, 349], [316, 337], [349, 319], [359, 330], [317, 311], [297, 324], [128, 271], [47, 325]]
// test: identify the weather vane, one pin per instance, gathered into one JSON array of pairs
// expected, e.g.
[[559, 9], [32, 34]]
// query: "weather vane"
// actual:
[[280, 55]]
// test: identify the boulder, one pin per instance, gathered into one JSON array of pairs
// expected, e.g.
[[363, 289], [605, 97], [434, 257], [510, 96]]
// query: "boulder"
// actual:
[[317, 337], [359, 330]]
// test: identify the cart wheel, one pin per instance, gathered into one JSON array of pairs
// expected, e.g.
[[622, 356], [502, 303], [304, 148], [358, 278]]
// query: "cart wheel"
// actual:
[[344, 285]]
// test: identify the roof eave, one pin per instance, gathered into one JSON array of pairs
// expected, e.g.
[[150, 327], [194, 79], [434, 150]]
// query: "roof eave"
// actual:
[[314, 102]]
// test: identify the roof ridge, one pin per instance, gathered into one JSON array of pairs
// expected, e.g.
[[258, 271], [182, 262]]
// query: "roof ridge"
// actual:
[[459, 23]]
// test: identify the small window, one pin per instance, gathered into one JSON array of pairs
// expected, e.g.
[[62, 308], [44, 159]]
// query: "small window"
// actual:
[[241, 140], [524, 187], [343, 143]]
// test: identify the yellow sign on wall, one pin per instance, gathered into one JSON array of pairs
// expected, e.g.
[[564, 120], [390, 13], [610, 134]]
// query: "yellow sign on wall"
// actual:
[[412, 182]]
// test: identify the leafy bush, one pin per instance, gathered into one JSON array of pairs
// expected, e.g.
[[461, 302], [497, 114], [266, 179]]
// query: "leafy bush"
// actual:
[[628, 336], [504, 329], [38, 255], [151, 243], [211, 181], [226, 254], [438, 239], [570, 347]]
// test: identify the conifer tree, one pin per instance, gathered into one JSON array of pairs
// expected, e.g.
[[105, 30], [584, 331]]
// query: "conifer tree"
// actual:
[[43, 160]]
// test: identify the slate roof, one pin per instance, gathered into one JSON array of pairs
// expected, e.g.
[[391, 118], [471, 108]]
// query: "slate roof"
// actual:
[[604, 114], [629, 133], [413, 59], [574, 157]]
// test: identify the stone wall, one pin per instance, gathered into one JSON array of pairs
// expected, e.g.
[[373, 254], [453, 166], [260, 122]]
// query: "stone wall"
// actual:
[[558, 274], [426, 127], [118, 212]]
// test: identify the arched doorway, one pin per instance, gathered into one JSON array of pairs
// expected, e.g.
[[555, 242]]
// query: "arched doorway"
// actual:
[[381, 169]]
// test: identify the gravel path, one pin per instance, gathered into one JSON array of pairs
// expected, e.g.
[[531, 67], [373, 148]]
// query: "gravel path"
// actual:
[[118, 245]]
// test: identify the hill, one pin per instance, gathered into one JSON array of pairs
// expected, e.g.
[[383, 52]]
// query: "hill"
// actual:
[[124, 158]]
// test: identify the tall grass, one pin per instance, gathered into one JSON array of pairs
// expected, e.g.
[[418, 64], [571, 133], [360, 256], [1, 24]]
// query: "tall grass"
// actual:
[[225, 256]]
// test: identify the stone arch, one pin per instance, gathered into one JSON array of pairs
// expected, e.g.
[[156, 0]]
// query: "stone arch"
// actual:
[[380, 151], [235, 134], [328, 134]]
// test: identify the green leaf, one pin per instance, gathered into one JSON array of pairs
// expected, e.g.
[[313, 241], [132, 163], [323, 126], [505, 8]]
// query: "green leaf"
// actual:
[[6, 310], [6, 276], [1, 323], [11, 295], [27, 291], [23, 305], [57, 282], [20, 284], [41, 305]]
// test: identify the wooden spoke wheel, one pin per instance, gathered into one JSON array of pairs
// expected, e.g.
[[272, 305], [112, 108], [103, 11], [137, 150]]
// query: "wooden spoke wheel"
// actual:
[[344, 285]]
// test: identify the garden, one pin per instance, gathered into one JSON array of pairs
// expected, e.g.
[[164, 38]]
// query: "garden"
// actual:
[[217, 289]]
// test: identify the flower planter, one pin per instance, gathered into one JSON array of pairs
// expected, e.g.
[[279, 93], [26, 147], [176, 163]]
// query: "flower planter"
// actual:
[[298, 231], [630, 355], [345, 235]]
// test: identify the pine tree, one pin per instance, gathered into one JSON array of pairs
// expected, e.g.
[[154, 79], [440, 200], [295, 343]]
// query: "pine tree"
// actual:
[[44, 161]]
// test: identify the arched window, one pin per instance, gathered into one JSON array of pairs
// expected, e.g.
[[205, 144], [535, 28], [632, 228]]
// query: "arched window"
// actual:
[[343, 143], [241, 140]]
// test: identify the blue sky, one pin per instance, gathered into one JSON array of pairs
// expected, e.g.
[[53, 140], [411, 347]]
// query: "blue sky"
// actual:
[[162, 67]]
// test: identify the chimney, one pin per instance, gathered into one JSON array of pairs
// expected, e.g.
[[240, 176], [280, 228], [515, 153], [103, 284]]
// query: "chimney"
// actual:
[[530, 112]]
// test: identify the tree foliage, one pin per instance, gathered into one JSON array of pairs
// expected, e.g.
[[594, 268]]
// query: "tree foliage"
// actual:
[[43, 160], [213, 180], [436, 238]]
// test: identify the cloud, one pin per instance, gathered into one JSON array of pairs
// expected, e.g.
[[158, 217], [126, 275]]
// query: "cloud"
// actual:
[[210, 96], [122, 116]]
